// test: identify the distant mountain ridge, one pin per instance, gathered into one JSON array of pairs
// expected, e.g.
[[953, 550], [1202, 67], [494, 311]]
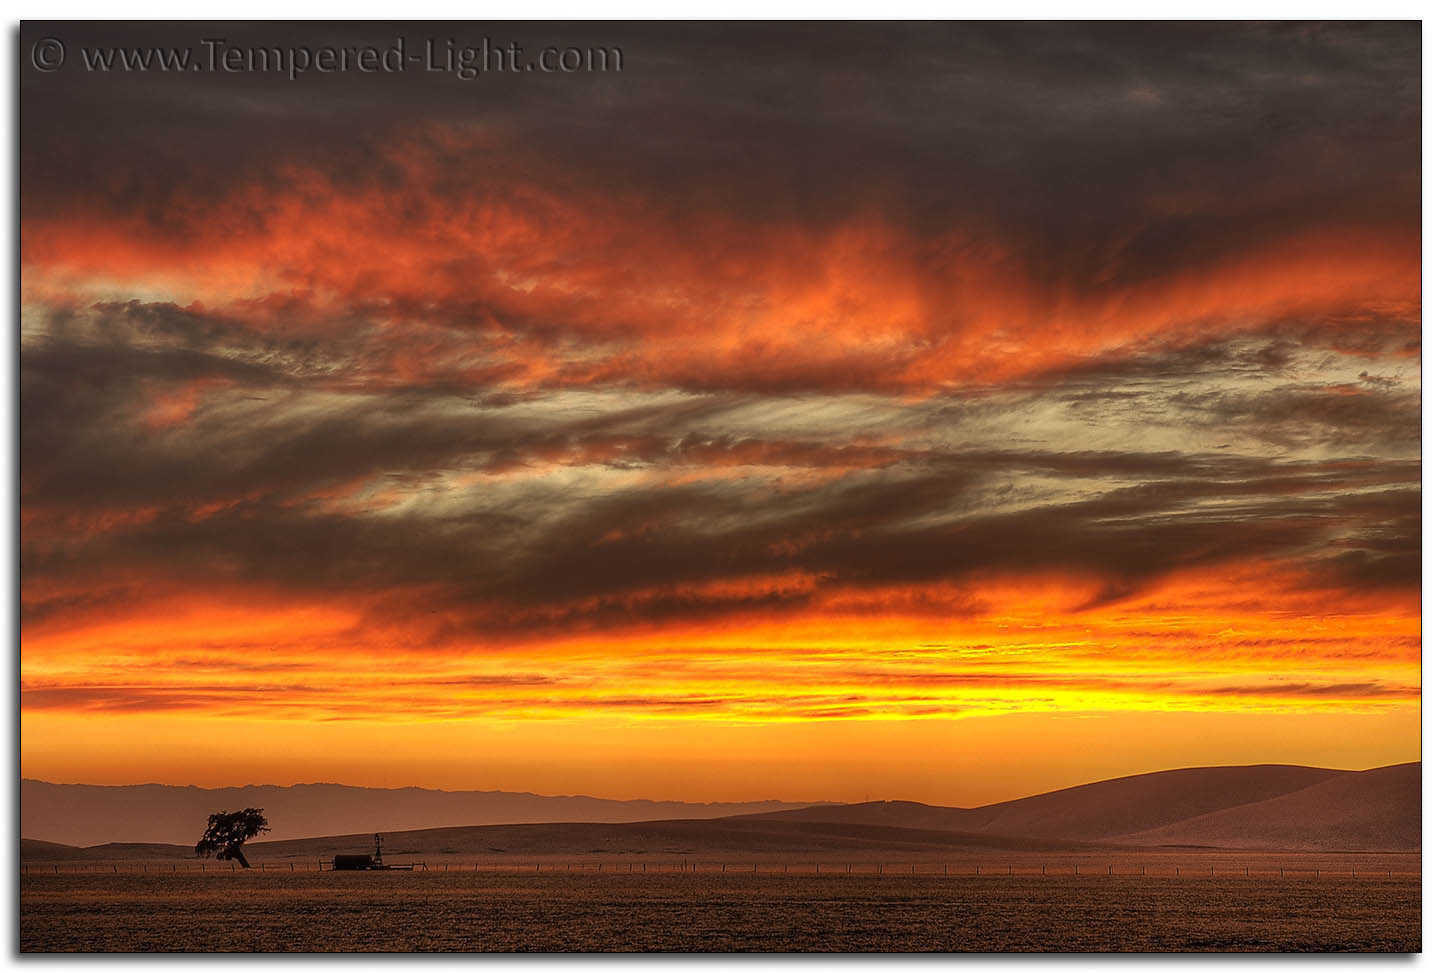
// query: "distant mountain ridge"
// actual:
[[1263, 806], [94, 814], [1267, 807]]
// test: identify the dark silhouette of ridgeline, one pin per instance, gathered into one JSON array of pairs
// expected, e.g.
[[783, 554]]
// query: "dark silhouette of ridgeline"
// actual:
[[1231, 810], [90, 814]]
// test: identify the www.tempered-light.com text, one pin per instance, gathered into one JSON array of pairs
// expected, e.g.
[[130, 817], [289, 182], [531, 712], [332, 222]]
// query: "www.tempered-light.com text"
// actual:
[[464, 61]]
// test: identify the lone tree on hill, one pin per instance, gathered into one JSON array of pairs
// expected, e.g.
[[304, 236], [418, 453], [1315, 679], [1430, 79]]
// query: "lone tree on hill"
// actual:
[[228, 830]]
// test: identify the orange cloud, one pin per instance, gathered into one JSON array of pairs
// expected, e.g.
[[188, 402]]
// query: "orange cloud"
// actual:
[[537, 284]]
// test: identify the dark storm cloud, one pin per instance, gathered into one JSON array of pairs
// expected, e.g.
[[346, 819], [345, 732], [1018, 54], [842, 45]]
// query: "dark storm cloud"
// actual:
[[1082, 157], [244, 490], [551, 562], [86, 440]]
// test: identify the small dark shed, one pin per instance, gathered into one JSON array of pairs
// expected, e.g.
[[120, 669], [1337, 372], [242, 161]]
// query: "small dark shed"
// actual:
[[345, 863]]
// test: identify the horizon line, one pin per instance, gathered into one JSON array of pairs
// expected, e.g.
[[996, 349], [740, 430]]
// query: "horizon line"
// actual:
[[765, 800]]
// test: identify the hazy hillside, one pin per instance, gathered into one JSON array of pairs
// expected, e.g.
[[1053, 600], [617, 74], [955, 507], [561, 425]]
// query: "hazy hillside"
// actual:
[[1268, 807], [34, 850], [577, 840], [130, 851], [85, 814], [1111, 808], [1263, 806], [1377, 809]]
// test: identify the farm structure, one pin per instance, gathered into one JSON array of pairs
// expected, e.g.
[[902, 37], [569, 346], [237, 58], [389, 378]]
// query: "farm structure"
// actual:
[[366, 863]]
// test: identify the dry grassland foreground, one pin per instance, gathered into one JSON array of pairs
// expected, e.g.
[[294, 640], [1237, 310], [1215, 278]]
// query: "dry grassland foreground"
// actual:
[[548, 911]]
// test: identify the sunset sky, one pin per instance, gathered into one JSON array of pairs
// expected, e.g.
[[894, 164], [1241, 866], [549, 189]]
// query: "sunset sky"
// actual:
[[932, 412]]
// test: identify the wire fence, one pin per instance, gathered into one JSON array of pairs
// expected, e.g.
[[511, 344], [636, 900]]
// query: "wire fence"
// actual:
[[944, 869]]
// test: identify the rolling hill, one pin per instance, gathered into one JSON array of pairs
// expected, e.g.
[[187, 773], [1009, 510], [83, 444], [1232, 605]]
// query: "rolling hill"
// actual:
[[1374, 810], [1267, 806], [1260, 808], [86, 814]]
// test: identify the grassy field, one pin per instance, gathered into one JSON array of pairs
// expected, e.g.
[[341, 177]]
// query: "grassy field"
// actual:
[[554, 910]]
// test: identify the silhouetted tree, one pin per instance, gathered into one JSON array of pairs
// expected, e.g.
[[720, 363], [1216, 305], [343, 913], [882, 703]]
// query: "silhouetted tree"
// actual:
[[228, 830]]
